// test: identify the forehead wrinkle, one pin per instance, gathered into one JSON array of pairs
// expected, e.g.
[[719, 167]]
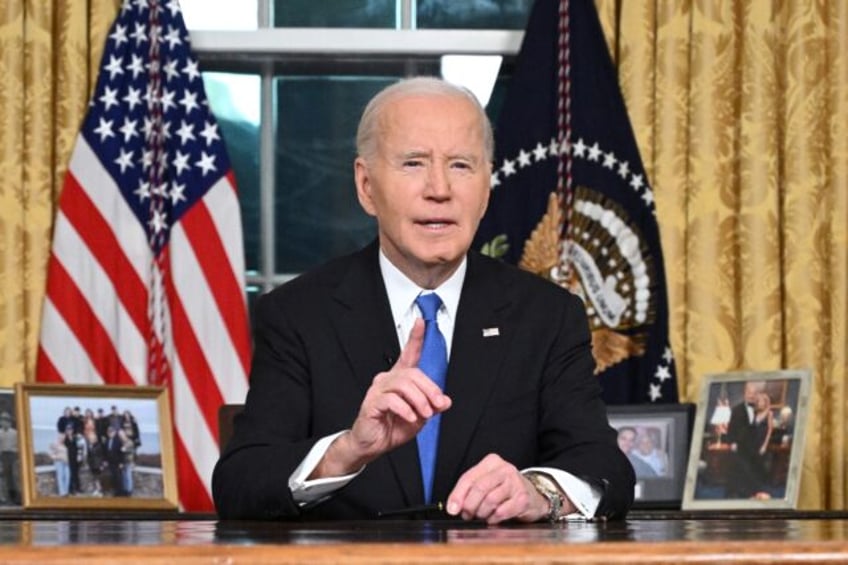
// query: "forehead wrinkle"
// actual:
[[399, 129]]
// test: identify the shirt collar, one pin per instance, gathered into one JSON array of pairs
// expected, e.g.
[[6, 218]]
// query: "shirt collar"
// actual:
[[403, 292]]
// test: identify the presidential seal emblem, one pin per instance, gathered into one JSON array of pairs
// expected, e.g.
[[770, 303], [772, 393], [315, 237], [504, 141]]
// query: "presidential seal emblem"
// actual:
[[604, 263]]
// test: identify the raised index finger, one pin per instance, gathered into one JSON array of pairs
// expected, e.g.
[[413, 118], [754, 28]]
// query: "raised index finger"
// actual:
[[412, 350]]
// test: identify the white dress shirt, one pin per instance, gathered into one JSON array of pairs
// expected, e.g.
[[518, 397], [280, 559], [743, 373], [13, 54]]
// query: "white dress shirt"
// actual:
[[402, 293]]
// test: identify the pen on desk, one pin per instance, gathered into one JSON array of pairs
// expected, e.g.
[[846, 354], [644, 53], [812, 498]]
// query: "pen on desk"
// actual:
[[409, 510]]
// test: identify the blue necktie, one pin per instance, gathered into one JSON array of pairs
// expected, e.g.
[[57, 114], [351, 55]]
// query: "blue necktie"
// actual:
[[434, 364]]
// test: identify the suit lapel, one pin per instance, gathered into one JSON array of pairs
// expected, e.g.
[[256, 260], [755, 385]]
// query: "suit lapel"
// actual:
[[365, 328], [479, 344], [363, 320]]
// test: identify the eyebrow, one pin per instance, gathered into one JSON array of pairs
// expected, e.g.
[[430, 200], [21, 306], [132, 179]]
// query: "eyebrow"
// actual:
[[413, 154], [418, 154]]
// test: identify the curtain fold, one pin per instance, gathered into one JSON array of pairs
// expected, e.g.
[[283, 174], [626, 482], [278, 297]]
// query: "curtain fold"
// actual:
[[12, 311], [836, 361], [49, 52], [739, 109]]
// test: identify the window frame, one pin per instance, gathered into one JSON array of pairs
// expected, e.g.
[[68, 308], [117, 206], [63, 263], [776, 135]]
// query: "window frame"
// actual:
[[264, 50]]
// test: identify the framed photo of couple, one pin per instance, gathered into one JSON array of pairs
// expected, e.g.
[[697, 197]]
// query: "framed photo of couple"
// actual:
[[748, 441], [655, 438], [91, 446]]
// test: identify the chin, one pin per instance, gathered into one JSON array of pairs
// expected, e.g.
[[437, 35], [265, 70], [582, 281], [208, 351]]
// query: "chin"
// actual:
[[432, 252], [443, 259]]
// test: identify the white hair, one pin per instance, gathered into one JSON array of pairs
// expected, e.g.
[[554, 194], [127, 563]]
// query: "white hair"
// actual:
[[367, 132]]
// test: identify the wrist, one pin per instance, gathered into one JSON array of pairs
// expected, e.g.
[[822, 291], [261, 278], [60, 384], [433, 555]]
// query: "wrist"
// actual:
[[556, 504], [341, 458]]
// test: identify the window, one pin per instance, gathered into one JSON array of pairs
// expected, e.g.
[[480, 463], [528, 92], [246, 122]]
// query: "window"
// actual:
[[288, 79]]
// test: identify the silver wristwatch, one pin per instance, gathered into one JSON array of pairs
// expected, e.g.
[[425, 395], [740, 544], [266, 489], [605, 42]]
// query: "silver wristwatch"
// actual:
[[550, 491]]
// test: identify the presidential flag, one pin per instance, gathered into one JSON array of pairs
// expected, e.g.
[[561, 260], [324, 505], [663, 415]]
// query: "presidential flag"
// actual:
[[571, 202], [145, 278]]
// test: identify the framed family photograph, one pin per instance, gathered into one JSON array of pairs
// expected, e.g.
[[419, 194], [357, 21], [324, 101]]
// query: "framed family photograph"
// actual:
[[10, 466], [655, 438], [90, 446], [748, 441]]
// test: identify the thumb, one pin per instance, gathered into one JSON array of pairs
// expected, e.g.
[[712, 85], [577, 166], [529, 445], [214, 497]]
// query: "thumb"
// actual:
[[412, 350]]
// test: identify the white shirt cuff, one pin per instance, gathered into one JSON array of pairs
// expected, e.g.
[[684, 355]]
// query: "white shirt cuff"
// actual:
[[304, 491], [584, 496]]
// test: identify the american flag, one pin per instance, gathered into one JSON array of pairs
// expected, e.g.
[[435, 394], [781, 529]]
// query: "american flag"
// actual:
[[145, 279]]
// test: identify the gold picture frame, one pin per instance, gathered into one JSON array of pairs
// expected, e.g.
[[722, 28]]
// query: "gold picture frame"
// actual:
[[115, 449], [748, 441]]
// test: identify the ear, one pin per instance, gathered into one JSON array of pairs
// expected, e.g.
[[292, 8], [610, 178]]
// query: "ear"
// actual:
[[362, 177], [485, 203]]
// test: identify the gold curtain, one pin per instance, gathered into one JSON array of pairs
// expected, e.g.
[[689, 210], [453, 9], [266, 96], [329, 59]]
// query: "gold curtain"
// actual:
[[740, 109], [49, 53]]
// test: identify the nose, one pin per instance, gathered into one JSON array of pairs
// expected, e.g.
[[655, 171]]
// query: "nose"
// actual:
[[438, 184]]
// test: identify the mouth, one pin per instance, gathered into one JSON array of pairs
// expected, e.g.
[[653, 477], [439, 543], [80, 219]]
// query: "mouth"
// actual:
[[434, 223]]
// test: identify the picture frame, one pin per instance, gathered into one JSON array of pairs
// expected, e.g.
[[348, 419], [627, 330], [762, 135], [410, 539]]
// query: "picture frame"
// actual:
[[748, 457], [10, 465], [655, 438], [115, 451]]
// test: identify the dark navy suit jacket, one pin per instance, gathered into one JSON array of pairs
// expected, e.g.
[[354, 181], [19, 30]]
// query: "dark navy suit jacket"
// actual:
[[527, 393]]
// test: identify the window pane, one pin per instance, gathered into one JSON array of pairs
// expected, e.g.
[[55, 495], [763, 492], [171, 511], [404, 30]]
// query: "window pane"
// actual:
[[340, 13], [219, 14], [234, 99], [477, 73], [473, 14], [317, 214], [493, 108]]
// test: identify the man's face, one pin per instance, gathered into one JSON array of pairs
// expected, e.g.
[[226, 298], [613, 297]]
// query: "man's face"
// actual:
[[646, 444], [751, 390], [625, 440], [427, 185]]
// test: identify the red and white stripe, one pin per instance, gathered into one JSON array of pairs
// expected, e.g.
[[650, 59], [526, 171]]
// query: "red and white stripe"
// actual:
[[95, 320]]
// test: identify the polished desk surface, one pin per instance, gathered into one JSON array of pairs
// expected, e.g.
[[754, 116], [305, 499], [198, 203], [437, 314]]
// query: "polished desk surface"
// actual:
[[730, 537]]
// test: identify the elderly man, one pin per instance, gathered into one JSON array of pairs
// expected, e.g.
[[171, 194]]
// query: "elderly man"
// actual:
[[358, 407], [742, 437]]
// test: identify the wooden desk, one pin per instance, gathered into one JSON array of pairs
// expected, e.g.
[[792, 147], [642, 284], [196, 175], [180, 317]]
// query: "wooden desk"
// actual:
[[642, 539]]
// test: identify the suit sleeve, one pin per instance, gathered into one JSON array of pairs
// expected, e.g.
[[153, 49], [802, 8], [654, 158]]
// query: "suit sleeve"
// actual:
[[575, 434], [271, 436]]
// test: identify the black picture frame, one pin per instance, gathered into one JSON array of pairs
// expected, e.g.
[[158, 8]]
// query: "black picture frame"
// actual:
[[658, 449]]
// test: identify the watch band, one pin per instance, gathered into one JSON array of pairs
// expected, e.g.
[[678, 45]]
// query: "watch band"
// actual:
[[548, 488]]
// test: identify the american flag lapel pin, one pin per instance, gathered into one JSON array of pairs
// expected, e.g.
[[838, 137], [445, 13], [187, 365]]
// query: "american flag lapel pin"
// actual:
[[491, 332]]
